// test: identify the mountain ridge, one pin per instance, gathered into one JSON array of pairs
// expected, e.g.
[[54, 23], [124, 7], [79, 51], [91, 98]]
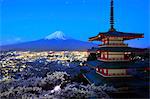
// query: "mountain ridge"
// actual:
[[56, 41]]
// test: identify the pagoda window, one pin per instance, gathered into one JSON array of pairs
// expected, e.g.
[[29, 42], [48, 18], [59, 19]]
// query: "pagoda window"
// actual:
[[101, 55], [106, 56], [101, 70], [106, 41], [127, 52], [97, 69], [105, 71]]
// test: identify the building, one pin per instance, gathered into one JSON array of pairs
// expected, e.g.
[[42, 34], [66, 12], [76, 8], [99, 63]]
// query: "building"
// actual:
[[114, 59]]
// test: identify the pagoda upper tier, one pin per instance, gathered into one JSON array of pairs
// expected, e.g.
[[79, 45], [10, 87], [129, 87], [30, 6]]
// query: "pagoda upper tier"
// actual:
[[116, 34]]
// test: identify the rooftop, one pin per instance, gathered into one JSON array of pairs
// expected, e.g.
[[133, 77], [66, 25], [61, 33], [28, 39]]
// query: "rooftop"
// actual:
[[112, 31], [118, 65], [117, 49], [120, 49], [124, 35]]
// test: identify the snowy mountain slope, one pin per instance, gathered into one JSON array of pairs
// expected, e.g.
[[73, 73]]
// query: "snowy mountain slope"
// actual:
[[57, 35]]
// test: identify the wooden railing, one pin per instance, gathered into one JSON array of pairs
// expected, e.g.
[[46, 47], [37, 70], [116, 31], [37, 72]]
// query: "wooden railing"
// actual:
[[113, 59], [114, 44]]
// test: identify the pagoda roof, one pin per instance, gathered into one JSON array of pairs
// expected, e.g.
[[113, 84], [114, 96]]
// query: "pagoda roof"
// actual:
[[114, 33], [118, 65], [117, 49], [120, 49]]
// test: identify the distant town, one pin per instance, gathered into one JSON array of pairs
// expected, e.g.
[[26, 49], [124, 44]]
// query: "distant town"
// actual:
[[16, 61]]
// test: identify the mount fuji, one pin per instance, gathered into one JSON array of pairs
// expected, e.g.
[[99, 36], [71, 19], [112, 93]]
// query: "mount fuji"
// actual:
[[56, 41], [57, 35]]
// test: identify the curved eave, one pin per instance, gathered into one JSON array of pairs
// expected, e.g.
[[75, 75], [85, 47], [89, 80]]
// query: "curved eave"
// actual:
[[96, 38], [133, 37], [119, 49], [118, 65], [125, 36]]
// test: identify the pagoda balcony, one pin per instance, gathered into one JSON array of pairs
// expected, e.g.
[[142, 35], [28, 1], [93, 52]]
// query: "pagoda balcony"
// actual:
[[113, 75], [114, 59], [114, 45], [112, 72]]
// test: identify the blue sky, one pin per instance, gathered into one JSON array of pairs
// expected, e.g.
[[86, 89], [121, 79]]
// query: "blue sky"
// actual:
[[28, 20]]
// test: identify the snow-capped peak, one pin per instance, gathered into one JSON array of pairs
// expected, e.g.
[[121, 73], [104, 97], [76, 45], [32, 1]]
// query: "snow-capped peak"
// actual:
[[57, 35]]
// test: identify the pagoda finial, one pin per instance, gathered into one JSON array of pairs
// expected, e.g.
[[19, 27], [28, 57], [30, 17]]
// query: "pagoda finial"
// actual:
[[112, 16]]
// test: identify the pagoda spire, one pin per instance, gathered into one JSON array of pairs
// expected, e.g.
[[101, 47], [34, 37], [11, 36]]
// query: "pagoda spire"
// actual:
[[112, 16]]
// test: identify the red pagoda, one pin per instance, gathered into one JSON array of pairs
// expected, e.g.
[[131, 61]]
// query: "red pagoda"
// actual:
[[114, 63], [113, 55]]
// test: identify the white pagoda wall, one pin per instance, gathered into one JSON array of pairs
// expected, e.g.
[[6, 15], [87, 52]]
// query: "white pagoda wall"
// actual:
[[116, 71], [115, 42], [115, 55], [103, 54], [116, 38]]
